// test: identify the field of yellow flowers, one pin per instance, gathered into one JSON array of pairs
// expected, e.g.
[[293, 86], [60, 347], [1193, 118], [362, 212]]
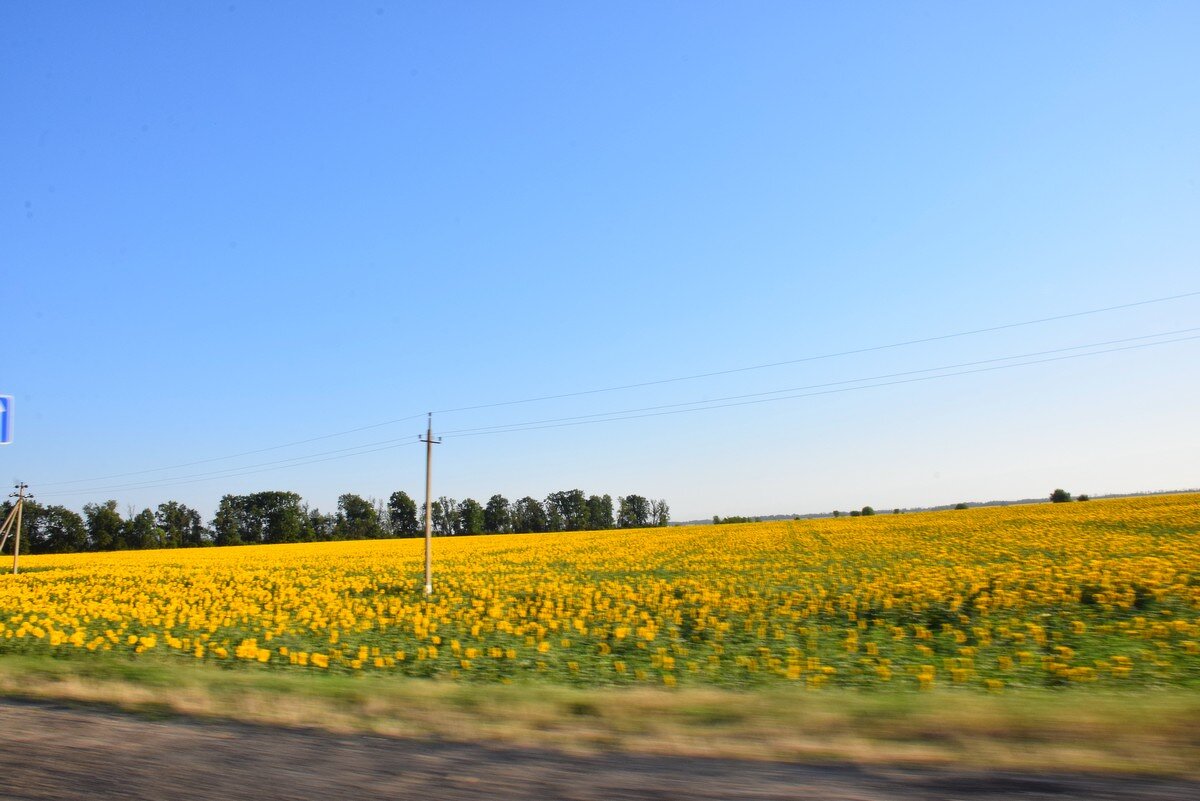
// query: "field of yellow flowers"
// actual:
[[1098, 593]]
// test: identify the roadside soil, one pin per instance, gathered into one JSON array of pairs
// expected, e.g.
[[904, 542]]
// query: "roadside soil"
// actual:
[[51, 751]]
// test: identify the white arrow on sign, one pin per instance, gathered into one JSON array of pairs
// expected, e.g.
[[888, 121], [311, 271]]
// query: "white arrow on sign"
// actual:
[[6, 419]]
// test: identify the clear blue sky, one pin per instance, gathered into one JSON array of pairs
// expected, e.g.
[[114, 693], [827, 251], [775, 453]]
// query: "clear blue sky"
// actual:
[[228, 226]]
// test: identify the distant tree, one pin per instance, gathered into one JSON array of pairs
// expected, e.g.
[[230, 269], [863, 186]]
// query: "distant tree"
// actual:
[[50, 529], [142, 531], [855, 513], [470, 517], [633, 512], [445, 516], [497, 518], [105, 528], [528, 516], [277, 516], [319, 527], [261, 517], [600, 512], [554, 518], [356, 519], [1060, 496], [181, 525], [402, 513], [867, 511], [567, 510], [720, 521], [895, 511], [836, 513], [227, 524], [65, 531], [382, 516], [1083, 497], [660, 513], [960, 506]]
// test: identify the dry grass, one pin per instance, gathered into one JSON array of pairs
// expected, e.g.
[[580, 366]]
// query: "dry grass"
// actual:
[[1145, 732]]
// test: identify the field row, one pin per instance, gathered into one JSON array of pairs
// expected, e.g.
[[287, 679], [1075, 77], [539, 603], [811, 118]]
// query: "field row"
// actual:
[[1105, 592]]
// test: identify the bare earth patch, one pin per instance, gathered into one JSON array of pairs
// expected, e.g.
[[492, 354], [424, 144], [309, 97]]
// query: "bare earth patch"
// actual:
[[53, 753]]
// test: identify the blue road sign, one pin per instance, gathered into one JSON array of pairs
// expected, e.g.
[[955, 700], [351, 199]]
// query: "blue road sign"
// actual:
[[6, 419]]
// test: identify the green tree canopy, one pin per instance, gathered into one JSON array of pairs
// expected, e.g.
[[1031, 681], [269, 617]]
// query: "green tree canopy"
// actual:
[[660, 513], [357, 519], [600, 512], [633, 512], [528, 516], [569, 509], [445, 516], [470, 517], [261, 517], [281, 517], [49, 529], [402, 510], [497, 518], [182, 526], [105, 528], [142, 531]]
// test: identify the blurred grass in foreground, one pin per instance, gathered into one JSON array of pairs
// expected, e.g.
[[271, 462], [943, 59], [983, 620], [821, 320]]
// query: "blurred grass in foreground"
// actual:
[[1147, 731]]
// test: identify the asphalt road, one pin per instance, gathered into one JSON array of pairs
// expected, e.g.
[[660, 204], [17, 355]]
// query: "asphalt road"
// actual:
[[52, 752]]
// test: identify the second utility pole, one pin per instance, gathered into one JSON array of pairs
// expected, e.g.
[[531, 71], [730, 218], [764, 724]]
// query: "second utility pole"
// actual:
[[429, 443], [20, 496]]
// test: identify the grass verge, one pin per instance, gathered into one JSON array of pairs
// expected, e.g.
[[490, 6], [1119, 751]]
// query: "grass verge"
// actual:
[[1148, 731]]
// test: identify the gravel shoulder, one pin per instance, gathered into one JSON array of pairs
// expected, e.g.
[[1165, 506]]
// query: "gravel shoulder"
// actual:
[[50, 751]]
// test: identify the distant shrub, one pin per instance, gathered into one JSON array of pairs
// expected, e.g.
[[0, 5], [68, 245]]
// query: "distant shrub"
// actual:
[[960, 506], [1060, 496]]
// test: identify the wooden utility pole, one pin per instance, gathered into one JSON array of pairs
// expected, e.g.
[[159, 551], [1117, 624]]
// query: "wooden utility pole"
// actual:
[[429, 443], [7, 528]]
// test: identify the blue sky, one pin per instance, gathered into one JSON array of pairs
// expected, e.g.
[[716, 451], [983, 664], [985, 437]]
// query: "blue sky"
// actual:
[[224, 227]]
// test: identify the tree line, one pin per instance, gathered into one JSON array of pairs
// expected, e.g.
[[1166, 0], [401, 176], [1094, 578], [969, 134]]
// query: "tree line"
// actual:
[[278, 517]]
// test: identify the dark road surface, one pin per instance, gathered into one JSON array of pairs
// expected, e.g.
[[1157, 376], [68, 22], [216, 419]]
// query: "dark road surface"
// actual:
[[49, 752]]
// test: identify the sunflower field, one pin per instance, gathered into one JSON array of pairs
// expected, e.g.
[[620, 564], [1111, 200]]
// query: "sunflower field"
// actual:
[[1102, 593]]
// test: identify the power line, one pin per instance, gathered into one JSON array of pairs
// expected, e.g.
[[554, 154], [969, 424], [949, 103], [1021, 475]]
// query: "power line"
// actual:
[[223, 472], [234, 455], [636, 385], [833, 355], [827, 384], [657, 411], [235, 475], [155, 481], [533, 426]]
